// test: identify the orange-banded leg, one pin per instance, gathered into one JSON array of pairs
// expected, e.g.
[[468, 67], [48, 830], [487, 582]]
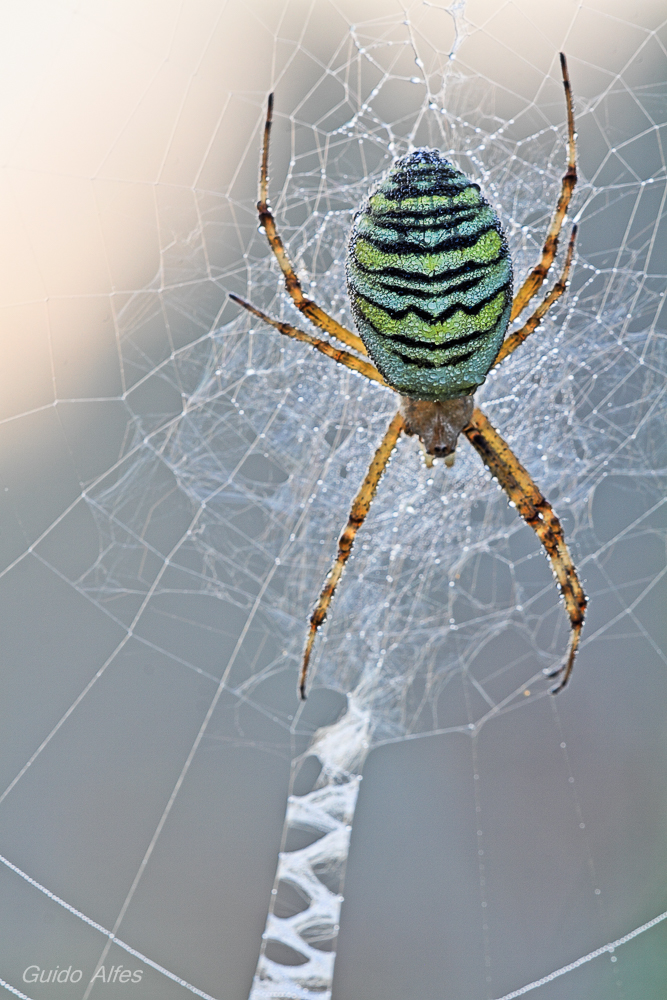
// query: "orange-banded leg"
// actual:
[[292, 283], [358, 512], [512, 342], [342, 357], [534, 280], [534, 509]]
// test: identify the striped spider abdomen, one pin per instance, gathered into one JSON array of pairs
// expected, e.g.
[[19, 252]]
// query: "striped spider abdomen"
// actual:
[[430, 279]]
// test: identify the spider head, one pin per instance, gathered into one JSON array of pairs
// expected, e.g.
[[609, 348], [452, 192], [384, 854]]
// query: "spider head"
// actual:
[[437, 424]]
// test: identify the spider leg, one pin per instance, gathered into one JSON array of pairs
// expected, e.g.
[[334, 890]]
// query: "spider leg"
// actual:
[[342, 357], [520, 488], [360, 507], [534, 280], [292, 283], [512, 342]]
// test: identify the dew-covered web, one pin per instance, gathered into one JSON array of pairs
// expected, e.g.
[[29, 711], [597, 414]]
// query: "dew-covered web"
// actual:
[[504, 839]]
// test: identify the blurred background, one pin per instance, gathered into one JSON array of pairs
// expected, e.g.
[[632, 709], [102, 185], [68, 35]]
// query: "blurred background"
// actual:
[[130, 141]]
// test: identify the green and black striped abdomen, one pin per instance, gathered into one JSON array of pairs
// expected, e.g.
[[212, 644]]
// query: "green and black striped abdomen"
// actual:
[[430, 278]]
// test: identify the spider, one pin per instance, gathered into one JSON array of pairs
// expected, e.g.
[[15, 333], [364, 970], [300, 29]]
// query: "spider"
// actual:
[[429, 278]]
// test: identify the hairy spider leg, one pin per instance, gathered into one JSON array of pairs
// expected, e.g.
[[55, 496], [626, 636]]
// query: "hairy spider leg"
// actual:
[[534, 280], [512, 342], [309, 308], [358, 512], [342, 357], [536, 511]]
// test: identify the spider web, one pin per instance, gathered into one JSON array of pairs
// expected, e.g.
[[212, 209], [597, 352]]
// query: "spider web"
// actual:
[[173, 495]]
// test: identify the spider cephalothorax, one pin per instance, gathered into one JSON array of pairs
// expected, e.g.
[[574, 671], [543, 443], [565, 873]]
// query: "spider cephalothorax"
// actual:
[[430, 282], [437, 424]]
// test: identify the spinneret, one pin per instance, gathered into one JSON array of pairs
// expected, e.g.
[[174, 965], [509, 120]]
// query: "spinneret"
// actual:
[[429, 278]]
